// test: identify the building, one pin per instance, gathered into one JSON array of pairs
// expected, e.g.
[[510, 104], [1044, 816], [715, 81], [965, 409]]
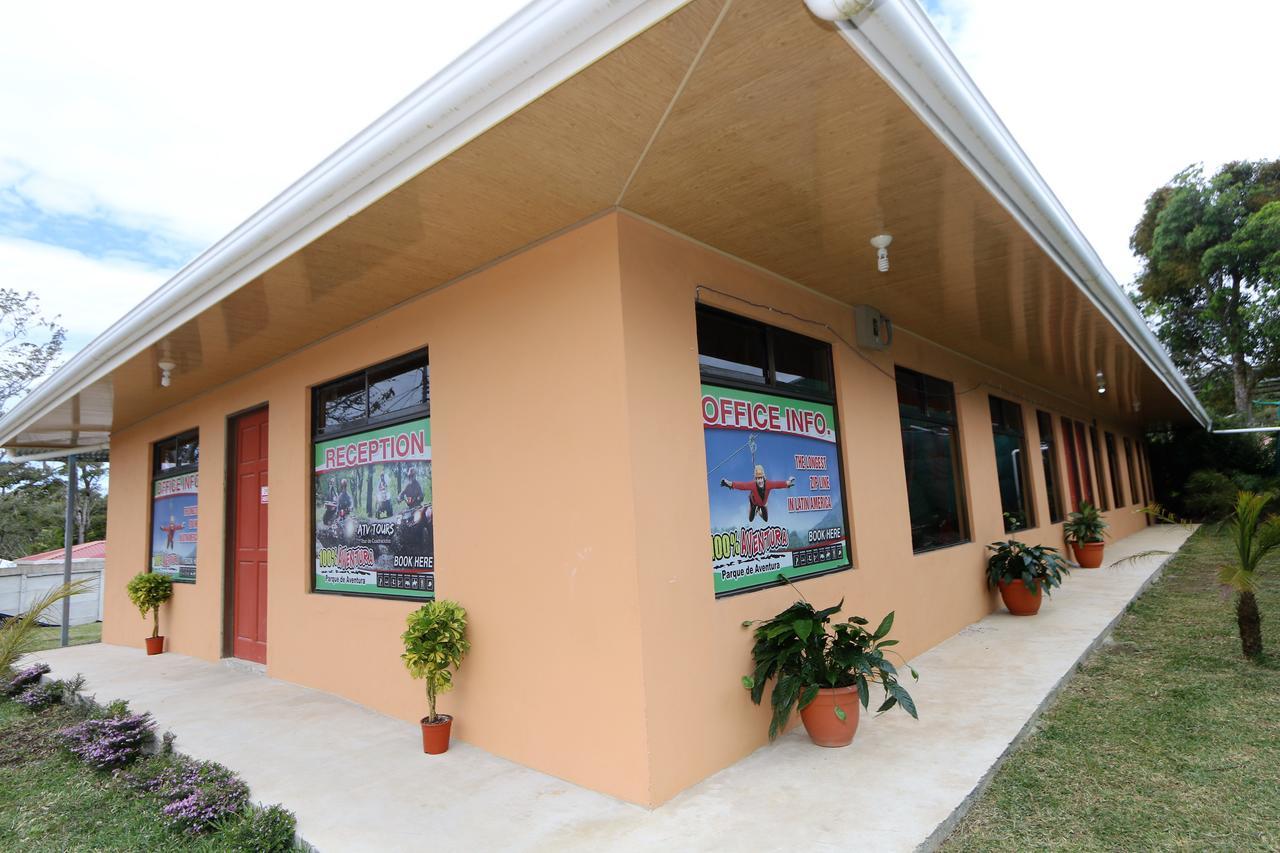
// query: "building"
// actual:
[[26, 579], [604, 264]]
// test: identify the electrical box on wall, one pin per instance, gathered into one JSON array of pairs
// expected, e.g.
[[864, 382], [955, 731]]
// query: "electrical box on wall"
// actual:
[[874, 330]]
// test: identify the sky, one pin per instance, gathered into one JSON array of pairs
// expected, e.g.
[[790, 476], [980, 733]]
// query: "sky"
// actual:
[[136, 138]]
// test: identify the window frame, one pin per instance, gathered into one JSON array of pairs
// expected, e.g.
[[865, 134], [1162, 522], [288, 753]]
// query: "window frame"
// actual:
[[422, 410], [957, 453], [364, 425], [176, 440], [1104, 499], [1024, 471], [1052, 469], [770, 373], [1134, 495], [1113, 468]]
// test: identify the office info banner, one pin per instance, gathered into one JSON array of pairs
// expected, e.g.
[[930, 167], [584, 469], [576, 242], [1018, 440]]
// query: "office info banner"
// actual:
[[175, 527], [773, 480], [374, 531]]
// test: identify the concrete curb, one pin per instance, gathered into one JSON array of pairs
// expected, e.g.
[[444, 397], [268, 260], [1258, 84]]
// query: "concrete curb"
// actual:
[[944, 829]]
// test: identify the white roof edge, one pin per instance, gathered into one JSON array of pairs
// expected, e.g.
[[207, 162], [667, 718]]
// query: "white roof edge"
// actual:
[[899, 41], [541, 46]]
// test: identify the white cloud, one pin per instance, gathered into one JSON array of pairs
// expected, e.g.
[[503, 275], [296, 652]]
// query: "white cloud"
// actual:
[[84, 294], [1110, 101], [184, 119]]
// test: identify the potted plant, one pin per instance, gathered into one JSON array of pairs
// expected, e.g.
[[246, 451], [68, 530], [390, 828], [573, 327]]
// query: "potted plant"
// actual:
[[825, 670], [147, 591], [434, 644], [1022, 572], [1084, 529]]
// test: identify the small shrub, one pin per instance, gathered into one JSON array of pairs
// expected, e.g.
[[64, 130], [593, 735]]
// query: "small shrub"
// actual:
[[110, 743], [148, 591], [198, 795], [37, 696], [25, 678], [260, 830]]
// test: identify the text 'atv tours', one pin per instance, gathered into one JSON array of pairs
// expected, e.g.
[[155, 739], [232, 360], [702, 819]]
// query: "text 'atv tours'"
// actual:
[[773, 481]]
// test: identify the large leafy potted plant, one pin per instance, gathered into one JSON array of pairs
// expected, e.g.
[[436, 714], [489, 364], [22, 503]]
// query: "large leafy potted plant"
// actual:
[[823, 669], [147, 591], [434, 644], [1023, 572], [1084, 529]]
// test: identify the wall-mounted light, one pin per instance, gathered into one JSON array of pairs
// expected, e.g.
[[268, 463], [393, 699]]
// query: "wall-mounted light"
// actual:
[[881, 243], [1102, 382], [1137, 405], [166, 372]]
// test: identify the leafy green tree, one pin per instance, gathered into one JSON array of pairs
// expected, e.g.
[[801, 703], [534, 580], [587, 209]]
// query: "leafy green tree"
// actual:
[[29, 343], [1210, 249]]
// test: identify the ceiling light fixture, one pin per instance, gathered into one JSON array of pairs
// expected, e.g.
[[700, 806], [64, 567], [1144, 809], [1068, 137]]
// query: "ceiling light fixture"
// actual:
[[881, 243], [1102, 382], [166, 372]]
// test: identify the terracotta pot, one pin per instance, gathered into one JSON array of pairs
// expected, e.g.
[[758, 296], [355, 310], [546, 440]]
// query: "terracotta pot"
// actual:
[[820, 720], [435, 736], [155, 645], [1088, 554], [1020, 600]]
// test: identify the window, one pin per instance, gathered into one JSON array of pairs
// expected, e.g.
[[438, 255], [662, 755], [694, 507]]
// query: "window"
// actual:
[[737, 351], [1049, 458], [175, 482], [931, 451], [393, 391], [1073, 464], [1104, 502], [1082, 454], [1011, 464], [374, 528], [1113, 466], [1133, 474], [774, 474]]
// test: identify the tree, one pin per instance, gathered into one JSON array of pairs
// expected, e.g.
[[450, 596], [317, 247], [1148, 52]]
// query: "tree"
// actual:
[[1253, 540], [1210, 249], [91, 515], [24, 360]]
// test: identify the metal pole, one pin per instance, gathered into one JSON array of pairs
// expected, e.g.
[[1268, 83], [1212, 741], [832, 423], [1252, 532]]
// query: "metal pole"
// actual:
[[68, 541]]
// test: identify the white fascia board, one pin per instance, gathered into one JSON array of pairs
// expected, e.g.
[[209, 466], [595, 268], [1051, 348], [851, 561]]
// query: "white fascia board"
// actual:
[[898, 40], [541, 46]]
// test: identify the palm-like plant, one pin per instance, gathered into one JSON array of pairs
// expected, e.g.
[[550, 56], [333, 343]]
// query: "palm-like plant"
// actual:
[[17, 635], [1253, 539]]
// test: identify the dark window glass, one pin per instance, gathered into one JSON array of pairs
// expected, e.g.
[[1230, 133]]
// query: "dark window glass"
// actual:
[[395, 391], [1104, 502], [800, 363], [931, 452], [1113, 467], [1011, 465], [1049, 458], [1133, 475], [735, 350], [731, 348], [1082, 453], [176, 455], [1073, 464]]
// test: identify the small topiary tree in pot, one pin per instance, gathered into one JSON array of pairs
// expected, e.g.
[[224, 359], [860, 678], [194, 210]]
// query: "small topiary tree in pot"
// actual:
[[1022, 572], [824, 670], [434, 645], [147, 591], [1085, 529]]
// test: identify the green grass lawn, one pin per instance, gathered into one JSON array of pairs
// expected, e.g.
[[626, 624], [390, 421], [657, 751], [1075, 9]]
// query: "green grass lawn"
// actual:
[[51, 638], [1165, 740]]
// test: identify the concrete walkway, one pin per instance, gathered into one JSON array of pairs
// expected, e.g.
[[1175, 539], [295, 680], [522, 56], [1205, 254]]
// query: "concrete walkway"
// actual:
[[899, 786]]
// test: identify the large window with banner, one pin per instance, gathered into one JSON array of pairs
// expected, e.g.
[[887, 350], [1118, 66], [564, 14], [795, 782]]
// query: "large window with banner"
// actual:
[[774, 473], [175, 482], [931, 453], [371, 489]]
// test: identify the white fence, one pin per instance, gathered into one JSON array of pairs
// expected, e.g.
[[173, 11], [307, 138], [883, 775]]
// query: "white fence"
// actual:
[[24, 583]]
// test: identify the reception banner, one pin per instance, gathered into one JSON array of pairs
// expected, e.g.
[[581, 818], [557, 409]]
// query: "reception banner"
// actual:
[[175, 527], [374, 532], [773, 481]]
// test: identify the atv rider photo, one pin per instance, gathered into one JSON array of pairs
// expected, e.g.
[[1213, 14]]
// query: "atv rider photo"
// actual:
[[758, 489], [411, 494]]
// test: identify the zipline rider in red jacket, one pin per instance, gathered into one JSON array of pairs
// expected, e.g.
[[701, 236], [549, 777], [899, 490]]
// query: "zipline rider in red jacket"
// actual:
[[758, 492]]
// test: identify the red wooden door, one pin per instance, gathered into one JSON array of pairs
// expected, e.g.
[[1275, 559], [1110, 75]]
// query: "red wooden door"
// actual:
[[249, 507]]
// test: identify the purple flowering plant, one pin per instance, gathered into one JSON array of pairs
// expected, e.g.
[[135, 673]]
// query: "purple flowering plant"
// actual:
[[106, 744], [197, 794], [25, 678], [36, 696]]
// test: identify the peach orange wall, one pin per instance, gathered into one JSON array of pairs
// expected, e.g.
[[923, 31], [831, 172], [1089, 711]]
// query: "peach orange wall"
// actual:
[[534, 518], [695, 651]]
